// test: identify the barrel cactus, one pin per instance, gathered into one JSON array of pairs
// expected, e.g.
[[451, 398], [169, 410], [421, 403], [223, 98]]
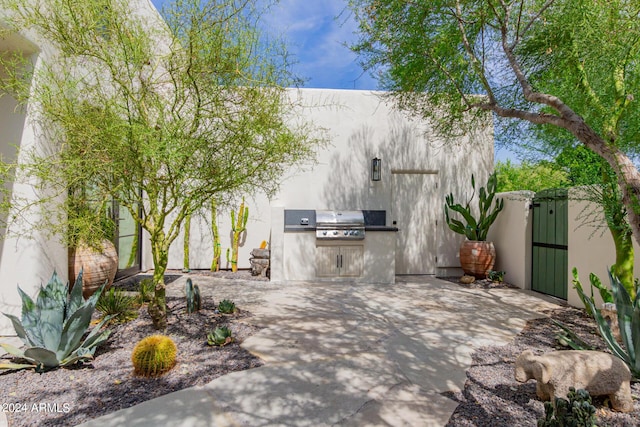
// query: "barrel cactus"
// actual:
[[154, 356]]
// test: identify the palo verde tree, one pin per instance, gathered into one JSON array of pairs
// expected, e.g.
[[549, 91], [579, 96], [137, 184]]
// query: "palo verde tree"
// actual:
[[571, 64], [161, 116]]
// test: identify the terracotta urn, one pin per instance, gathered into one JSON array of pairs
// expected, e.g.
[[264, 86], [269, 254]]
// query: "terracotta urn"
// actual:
[[98, 266], [477, 258]]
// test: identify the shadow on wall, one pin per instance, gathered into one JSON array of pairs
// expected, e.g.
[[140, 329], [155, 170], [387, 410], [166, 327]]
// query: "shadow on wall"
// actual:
[[407, 145]]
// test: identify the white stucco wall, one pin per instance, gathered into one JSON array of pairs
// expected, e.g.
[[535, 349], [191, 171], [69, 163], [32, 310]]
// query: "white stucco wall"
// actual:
[[591, 247], [511, 235], [360, 125]]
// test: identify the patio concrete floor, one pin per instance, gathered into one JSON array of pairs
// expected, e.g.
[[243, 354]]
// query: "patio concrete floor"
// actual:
[[345, 354]]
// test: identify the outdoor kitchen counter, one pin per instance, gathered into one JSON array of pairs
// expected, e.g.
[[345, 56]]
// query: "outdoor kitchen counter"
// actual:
[[380, 228], [296, 228], [370, 260]]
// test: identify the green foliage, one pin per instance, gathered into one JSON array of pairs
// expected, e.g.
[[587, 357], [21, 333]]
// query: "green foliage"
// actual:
[[529, 176], [220, 336], [628, 322], [568, 338], [595, 282], [85, 220], [119, 306], [227, 307], [161, 117], [217, 249], [193, 297], [185, 246], [53, 326], [568, 65], [146, 289], [575, 412], [475, 229], [496, 276], [154, 356]]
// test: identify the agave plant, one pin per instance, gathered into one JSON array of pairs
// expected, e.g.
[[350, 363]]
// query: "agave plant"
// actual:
[[628, 321], [221, 336], [53, 326], [226, 306]]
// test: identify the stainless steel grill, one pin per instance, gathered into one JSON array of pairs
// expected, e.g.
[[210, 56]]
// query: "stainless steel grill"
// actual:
[[340, 225]]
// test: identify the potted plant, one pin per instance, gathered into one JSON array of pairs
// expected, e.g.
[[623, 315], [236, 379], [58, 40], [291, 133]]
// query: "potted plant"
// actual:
[[90, 232], [477, 256]]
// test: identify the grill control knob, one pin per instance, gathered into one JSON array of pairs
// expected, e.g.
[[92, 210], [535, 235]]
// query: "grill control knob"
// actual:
[[346, 232], [354, 232], [324, 233], [335, 233]]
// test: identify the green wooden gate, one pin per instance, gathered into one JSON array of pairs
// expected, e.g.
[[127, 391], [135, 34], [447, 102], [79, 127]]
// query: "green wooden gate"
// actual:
[[550, 219]]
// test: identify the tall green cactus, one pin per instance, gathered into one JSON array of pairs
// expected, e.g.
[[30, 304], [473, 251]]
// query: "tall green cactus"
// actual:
[[475, 229], [238, 226], [187, 237], [217, 249], [194, 300]]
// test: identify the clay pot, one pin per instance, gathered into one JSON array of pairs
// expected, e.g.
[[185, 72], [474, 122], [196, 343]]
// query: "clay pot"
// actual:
[[477, 258], [97, 266]]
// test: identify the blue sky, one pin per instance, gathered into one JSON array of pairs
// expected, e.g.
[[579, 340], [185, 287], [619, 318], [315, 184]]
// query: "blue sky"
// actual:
[[318, 32]]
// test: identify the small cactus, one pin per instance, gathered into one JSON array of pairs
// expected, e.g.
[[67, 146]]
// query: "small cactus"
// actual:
[[577, 411], [154, 356], [193, 297], [226, 306], [221, 336]]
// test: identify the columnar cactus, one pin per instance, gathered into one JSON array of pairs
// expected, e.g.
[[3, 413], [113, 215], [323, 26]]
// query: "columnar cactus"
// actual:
[[193, 297], [187, 237], [238, 227], [475, 229], [217, 249]]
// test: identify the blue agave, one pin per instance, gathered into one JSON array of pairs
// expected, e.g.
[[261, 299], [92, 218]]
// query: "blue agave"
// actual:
[[52, 327]]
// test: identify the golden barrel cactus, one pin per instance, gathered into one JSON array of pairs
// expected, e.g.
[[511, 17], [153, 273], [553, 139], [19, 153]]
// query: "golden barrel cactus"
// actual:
[[154, 355]]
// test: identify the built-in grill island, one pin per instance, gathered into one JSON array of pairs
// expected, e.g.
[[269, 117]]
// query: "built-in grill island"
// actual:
[[339, 245]]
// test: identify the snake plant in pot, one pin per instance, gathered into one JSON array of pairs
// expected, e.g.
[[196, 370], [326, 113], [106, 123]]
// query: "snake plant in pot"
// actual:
[[477, 255]]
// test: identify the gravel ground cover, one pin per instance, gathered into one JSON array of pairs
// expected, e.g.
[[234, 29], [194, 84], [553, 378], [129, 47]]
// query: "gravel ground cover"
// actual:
[[493, 398], [66, 397]]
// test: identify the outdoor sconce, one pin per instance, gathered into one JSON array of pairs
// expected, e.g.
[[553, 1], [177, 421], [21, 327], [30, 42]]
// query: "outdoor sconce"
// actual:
[[376, 169]]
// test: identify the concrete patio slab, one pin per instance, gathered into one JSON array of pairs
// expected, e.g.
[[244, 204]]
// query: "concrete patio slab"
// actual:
[[346, 354]]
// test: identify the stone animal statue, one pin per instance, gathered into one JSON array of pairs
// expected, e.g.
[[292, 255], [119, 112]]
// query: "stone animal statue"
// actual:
[[597, 372]]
